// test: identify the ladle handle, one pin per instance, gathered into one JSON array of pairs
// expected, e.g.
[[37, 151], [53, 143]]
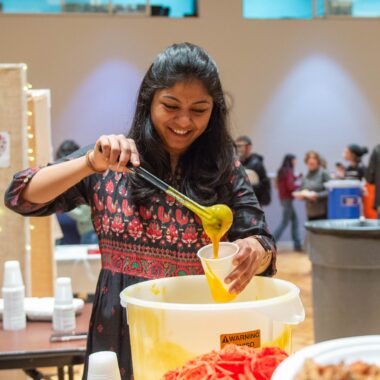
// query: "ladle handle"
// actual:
[[181, 198], [157, 182]]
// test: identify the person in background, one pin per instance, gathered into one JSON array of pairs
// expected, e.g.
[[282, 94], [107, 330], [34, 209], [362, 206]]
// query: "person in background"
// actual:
[[66, 148], [254, 164], [353, 153], [180, 134], [286, 184], [76, 224], [313, 191], [340, 171], [372, 175]]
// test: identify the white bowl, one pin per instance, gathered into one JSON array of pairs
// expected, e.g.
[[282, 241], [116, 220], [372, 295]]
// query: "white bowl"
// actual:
[[347, 350]]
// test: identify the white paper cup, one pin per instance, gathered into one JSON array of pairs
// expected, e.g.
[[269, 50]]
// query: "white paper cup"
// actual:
[[103, 365], [217, 270], [63, 291], [12, 275]]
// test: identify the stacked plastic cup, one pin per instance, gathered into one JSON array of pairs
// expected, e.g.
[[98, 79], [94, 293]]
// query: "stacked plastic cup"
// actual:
[[64, 312], [103, 365], [14, 317]]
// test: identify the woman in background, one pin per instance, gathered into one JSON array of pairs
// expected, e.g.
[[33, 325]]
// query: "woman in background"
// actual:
[[313, 189], [353, 153], [286, 184]]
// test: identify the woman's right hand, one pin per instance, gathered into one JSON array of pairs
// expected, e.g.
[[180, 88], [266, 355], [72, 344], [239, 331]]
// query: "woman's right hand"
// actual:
[[114, 152]]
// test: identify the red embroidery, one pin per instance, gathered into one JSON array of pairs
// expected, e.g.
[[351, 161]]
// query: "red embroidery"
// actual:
[[172, 234], [117, 225], [106, 223], [135, 228], [179, 218], [98, 203], [126, 209], [190, 235], [145, 213], [109, 187], [162, 216], [110, 205], [154, 231]]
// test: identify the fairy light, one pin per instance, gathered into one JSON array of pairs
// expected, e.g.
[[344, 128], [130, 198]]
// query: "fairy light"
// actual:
[[30, 135], [32, 227], [30, 150], [28, 247], [25, 67], [29, 127], [29, 86], [30, 113]]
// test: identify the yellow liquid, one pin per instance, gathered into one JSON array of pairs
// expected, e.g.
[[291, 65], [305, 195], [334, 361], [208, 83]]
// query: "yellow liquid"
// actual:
[[283, 341], [215, 232], [147, 330], [218, 291], [216, 221]]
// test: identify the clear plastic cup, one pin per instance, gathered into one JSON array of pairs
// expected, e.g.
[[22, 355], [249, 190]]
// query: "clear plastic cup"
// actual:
[[63, 291], [12, 275], [216, 270], [103, 365]]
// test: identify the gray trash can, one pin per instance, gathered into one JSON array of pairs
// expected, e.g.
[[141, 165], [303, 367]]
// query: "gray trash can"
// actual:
[[345, 256]]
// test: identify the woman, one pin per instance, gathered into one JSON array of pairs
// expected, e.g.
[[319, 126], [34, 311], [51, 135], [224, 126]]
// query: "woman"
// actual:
[[180, 134], [312, 188], [353, 153], [286, 184]]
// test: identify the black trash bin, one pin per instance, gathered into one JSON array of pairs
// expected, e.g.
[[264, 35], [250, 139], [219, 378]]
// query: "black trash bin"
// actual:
[[345, 256]]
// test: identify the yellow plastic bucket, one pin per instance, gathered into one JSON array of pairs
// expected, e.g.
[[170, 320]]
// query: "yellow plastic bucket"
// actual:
[[172, 320]]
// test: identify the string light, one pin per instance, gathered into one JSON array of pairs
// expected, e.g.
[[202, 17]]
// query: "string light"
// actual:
[[31, 158], [32, 227], [29, 86], [30, 113], [30, 135], [29, 127], [30, 150], [28, 247], [25, 67], [26, 88]]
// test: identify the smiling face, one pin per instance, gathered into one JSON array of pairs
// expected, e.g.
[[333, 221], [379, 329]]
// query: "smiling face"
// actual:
[[180, 114]]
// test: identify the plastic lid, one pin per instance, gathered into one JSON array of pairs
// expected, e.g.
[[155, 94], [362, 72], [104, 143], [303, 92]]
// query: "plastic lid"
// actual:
[[343, 183], [346, 227]]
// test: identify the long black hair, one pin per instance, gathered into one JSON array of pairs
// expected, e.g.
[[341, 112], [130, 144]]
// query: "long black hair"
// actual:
[[287, 164], [207, 164]]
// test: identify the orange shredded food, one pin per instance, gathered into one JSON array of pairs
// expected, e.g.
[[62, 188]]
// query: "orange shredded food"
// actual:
[[231, 363]]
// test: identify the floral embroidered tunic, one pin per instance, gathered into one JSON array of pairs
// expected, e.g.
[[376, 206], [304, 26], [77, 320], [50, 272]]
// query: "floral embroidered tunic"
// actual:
[[138, 242]]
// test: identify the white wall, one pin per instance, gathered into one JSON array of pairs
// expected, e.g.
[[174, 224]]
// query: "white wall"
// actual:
[[295, 84]]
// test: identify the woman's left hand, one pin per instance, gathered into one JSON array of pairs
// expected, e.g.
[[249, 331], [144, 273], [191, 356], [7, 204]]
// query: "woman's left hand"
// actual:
[[247, 262]]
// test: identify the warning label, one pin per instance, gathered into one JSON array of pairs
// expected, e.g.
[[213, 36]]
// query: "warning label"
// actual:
[[247, 338]]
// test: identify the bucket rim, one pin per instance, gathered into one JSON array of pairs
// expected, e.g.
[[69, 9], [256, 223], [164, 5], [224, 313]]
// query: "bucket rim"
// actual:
[[242, 305]]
